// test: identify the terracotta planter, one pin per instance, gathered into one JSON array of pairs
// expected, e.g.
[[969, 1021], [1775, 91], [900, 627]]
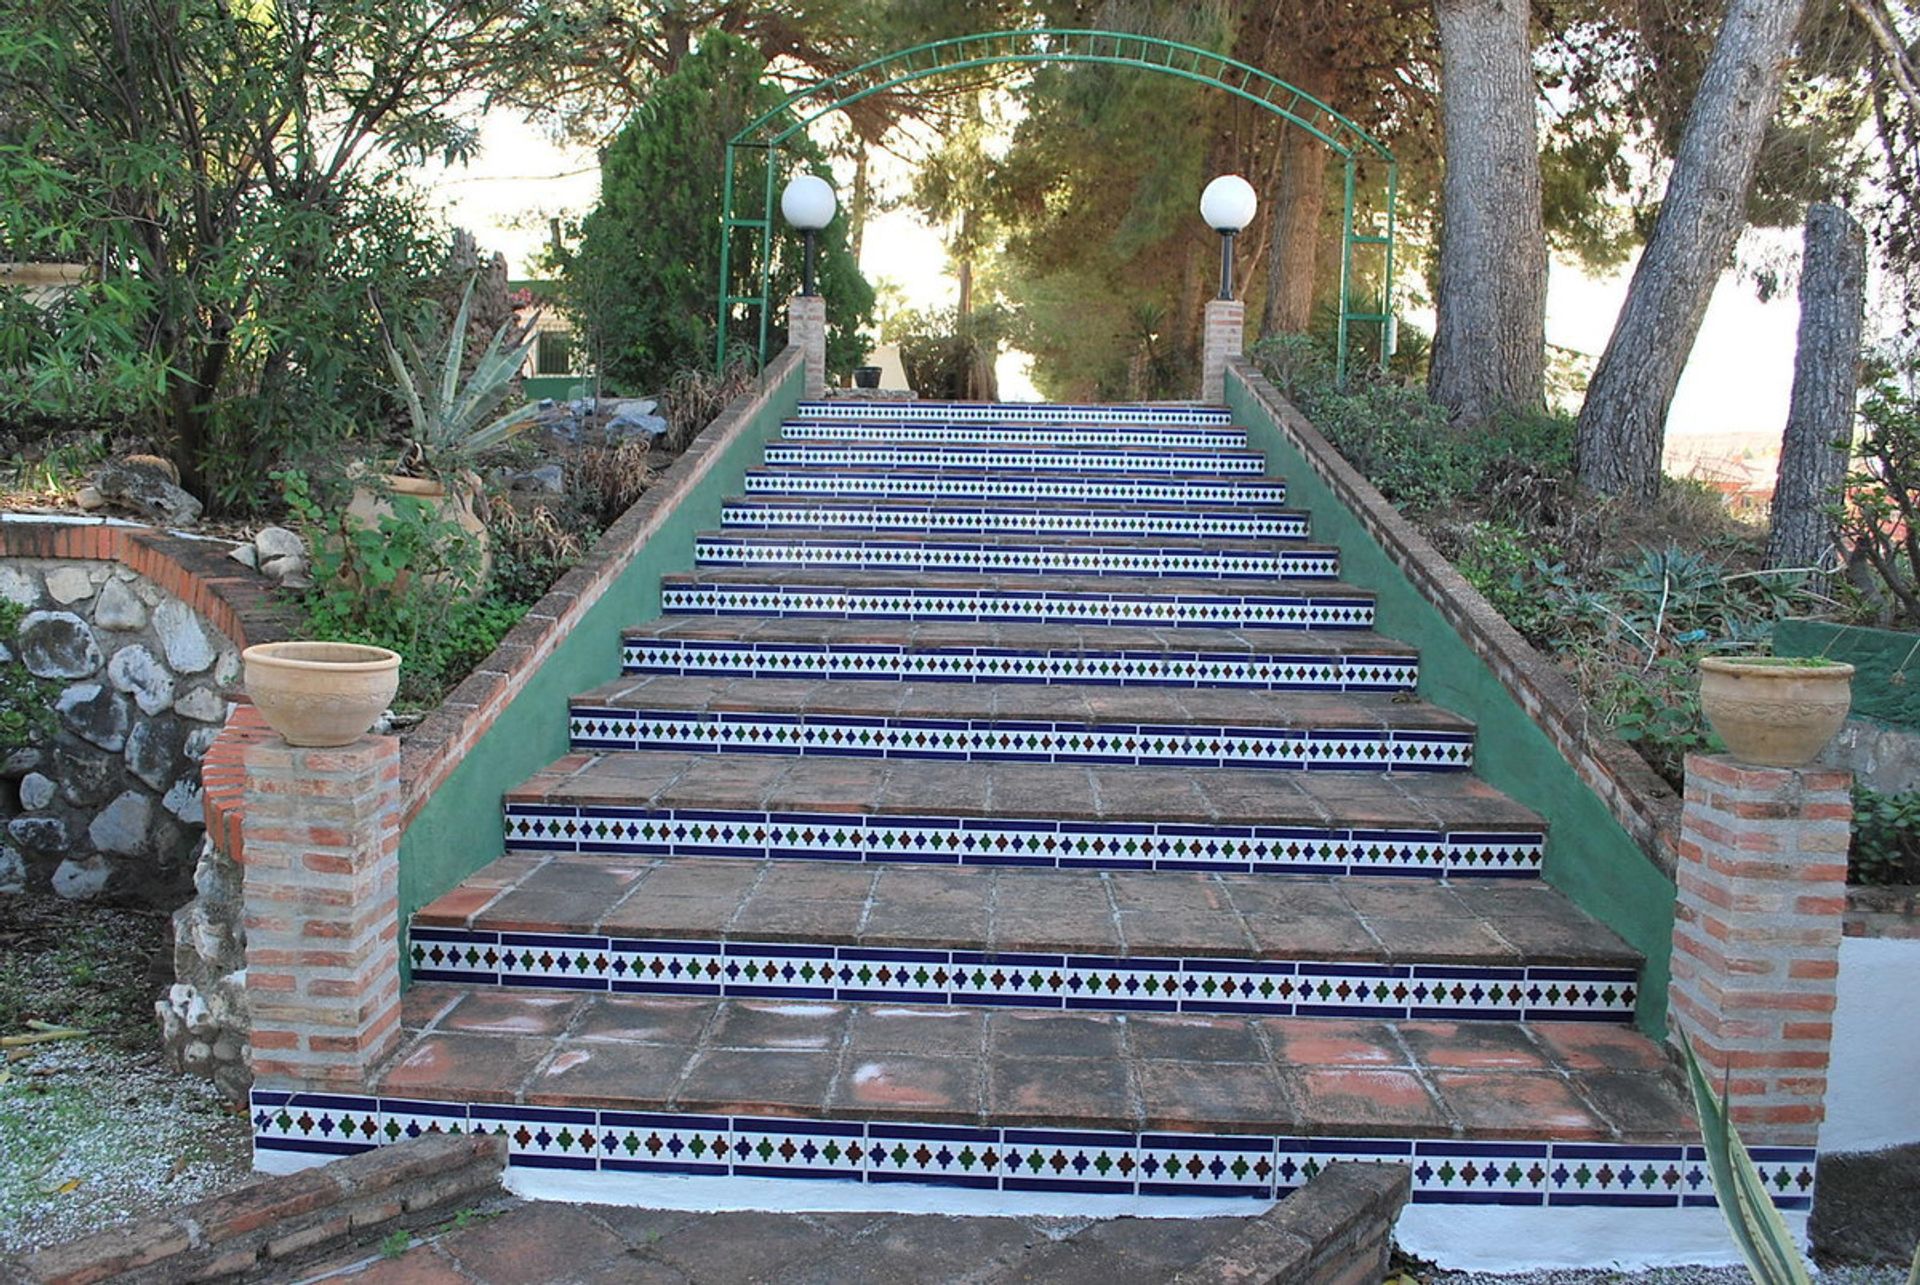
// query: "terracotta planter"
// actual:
[[370, 504], [321, 693], [1774, 714]]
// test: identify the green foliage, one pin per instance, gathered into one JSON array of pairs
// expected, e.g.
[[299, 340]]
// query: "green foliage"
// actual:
[[1882, 517], [26, 701], [1523, 580], [1886, 837], [948, 357], [396, 1242], [451, 408], [410, 584], [642, 279]]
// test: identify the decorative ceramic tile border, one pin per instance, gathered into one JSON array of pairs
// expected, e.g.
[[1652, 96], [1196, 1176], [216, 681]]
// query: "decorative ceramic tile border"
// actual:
[[609, 1141], [946, 554], [1305, 988], [1182, 520], [1025, 459], [977, 485], [1005, 841], [601, 728], [1264, 610], [1008, 413], [1270, 671], [905, 432]]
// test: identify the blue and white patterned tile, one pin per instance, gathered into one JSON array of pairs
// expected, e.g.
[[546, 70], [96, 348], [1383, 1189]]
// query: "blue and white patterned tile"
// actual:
[[328, 1124], [943, 412], [1179, 1164], [404, 1118], [934, 1154], [1184, 523], [541, 1137], [1014, 434], [770, 1148], [1069, 1160], [947, 553], [665, 1142], [1090, 459], [1006, 484]]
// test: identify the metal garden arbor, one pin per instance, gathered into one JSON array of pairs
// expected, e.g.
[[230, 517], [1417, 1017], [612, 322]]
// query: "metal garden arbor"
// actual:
[[760, 143]]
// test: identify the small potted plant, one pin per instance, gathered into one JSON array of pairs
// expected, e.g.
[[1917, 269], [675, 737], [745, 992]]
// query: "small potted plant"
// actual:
[[1775, 711], [321, 693], [451, 420]]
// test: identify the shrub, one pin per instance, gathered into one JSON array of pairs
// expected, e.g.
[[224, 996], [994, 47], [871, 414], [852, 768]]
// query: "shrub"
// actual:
[[1882, 518], [26, 701], [1886, 837]]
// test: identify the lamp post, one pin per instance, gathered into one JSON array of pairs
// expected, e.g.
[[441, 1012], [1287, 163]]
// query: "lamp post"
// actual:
[[807, 203], [1228, 205]]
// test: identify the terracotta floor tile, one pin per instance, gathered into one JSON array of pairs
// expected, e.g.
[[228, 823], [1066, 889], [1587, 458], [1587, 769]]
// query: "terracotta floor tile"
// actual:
[[1641, 1106], [718, 878], [926, 929], [517, 1248], [681, 918], [815, 881], [455, 908], [1234, 1097], [1287, 897], [1332, 1041], [1193, 1038], [1403, 899], [422, 1003], [479, 1068], [770, 917], [596, 1072], [645, 1019], [753, 1082], [1440, 940], [1148, 794], [935, 789], [730, 780], [1013, 1035], [925, 1031], [1041, 790], [1600, 1046], [902, 1086], [1362, 1101], [804, 1026], [1329, 938], [1569, 938], [1517, 1105], [574, 895], [1456, 1046], [1181, 933], [1168, 893], [1064, 1092], [504, 1010]]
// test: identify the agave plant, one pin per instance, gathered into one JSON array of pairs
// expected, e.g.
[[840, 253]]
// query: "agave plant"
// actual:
[[453, 420]]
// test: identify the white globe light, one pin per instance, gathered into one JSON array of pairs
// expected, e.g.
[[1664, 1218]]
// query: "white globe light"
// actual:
[[1228, 203], [807, 203]]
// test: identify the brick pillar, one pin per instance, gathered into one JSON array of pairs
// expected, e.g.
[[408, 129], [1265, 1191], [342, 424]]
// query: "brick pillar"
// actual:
[[1225, 338], [321, 881], [807, 327], [1756, 937]]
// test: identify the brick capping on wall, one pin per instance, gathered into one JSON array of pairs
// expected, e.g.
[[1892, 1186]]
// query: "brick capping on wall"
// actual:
[[1336, 1230], [265, 1225], [1646, 807], [1892, 912]]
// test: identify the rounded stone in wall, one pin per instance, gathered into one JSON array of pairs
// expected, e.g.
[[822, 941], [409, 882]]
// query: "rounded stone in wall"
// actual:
[[39, 836], [96, 715], [69, 584], [81, 879], [139, 673], [119, 607], [157, 751], [122, 826], [19, 587], [87, 776], [58, 644], [13, 871], [183, 638], [36, 791]]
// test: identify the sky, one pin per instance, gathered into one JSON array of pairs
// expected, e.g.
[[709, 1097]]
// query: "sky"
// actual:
[[1735, 387]]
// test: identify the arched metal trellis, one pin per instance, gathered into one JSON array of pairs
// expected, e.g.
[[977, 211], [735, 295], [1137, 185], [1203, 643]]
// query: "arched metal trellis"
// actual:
[[763, 139]]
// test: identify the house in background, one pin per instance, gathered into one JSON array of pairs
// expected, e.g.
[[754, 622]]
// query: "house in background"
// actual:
[[557, 366]]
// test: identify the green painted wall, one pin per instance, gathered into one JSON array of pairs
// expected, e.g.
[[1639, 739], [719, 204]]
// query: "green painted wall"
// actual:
[[1886, 684], [459, 830], [1590, 857], [562, 388]]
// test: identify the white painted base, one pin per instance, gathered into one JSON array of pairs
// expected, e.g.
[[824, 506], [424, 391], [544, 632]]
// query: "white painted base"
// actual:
[[1505, 1239], [286, 1161], [1870, 1100]]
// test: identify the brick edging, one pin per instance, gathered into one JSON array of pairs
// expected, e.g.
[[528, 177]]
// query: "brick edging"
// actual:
[[1645, 806], [272, 1221], [431, 751], [1337, 1228]]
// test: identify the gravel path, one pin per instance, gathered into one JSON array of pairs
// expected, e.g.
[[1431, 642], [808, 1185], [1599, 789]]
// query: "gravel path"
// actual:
[[1668, 1276]]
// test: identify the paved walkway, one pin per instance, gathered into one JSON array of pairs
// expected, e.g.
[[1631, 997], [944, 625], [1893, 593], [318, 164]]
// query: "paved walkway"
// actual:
[[554, 1244]]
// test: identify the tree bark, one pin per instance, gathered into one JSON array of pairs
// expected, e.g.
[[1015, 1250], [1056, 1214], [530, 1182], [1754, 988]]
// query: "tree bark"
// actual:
[[1623, 421], [1489, 346], [1299, 205], [1813, 453]]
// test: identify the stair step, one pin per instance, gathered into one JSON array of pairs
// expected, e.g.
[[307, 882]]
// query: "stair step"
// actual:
[[934, 594], [1074, 939], [979, 484], [996, 651], [1159, 556], [908, 432], [1026, 722], [1159, 460], [1235, 522], [695, 804], [924, 412]]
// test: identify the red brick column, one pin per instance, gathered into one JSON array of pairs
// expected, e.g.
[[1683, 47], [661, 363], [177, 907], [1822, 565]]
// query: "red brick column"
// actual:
[[807, 331], [1225, 338], [321, 876], [1763, 892]]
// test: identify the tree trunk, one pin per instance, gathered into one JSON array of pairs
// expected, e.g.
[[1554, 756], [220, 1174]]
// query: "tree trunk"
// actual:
[[1489, 346], [1299, 205], [862, 203], [1623, 421], [1813, 454]]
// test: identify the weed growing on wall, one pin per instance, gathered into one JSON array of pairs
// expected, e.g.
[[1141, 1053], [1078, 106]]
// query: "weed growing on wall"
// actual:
[[26, 702]]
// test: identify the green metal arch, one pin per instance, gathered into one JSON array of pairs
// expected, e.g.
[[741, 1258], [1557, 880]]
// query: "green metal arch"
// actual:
[[1055, 46]]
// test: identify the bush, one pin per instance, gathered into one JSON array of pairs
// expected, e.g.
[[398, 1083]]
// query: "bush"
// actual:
[[1886, 837], [1882, 518], [26, 701]]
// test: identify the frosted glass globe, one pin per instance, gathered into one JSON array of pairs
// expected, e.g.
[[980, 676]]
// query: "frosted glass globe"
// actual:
[[807, 203], [1228, 203]]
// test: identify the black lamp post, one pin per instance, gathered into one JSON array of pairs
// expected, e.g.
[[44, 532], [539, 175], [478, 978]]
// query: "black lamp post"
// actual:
[[1228, 205], [808, 204]]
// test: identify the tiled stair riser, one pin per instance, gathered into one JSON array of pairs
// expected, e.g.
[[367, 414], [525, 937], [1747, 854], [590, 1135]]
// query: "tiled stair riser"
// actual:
[[961, 484], [1226, 609], [1265, 671], [893, 412], [1000, 841], [619, 1142], [1302, 988], [1175, 436], [985, 740], [1183, 521], [947, 554], [1025, 459]]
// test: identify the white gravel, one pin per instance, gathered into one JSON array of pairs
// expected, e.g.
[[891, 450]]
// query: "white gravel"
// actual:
[[1667, 1276]]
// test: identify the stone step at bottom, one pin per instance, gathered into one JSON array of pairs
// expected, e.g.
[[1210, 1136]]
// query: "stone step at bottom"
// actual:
[[1153, 942], [1539, 1114]]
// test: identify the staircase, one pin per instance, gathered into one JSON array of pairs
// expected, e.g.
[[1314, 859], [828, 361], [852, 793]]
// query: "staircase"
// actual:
[[1014, 798]]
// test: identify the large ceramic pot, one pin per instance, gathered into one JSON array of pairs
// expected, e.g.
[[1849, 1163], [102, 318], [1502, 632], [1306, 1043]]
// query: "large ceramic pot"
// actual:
[[1775, 711], [371, 502], [321, 693]]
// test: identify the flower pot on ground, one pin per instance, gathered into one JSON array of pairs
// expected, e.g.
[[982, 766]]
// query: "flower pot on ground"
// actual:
[[866, 377], [373, 498], [1775, 711], [321, 694]]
